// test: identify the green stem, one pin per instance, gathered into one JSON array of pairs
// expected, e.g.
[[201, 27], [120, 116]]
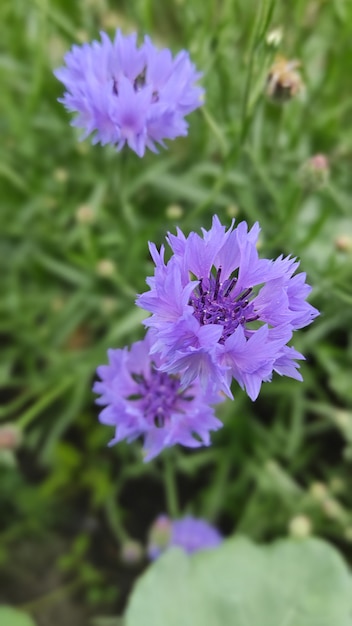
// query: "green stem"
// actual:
[[170, 487], [114, 520], [260, 27], [43, 402]]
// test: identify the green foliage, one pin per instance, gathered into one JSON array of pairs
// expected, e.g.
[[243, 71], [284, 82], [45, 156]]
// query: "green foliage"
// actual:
[[12, 617], [75, 221], [241, 584]]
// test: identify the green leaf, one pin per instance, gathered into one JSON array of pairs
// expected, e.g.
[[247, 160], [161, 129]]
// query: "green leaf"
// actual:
[[289, 583], [12, 617]]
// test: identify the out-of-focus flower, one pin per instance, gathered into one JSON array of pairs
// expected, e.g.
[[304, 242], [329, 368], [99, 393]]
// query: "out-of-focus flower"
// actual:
[[10, 437], [131, 552], [219, 312], [315, 172], [274, 37], [61, 175], [174, 211], [141, 400], [343, 243], [159, 536], [105, 268], [189, 533], [318, 491], [300, 526], [85, 214], [129, 95], [284, 82]]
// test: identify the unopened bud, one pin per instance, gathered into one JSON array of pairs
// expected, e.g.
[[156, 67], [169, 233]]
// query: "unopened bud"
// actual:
[[315, 172], [344, 243], [232, 210], [106, 268], [10, 437], [61, 175], [284, 82], [159, 536], [174, 211], [318, 491], [300, 527], [85, 214], [108, 305], [132, 552], [274, 37]]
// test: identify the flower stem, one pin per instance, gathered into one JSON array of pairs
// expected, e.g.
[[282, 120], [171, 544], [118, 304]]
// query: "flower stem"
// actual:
[[114, 520], [170, 487]]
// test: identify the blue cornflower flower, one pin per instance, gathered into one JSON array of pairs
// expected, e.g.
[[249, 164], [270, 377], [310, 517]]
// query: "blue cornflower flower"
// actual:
[[125, 94], [141, 400], [189, 533], [220, 312]]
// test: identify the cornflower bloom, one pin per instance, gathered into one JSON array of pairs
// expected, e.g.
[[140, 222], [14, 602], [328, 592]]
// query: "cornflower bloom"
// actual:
[[141, 400], [189, 533], [125, 94], [219, 312]]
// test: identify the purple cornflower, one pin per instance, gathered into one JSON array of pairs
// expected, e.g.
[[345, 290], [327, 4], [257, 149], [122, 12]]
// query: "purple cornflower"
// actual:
[[219, 312], [143, 401], [189, 533], [125, 94]]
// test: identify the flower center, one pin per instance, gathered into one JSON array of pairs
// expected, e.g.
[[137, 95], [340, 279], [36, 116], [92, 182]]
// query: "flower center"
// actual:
[[160, 396], [138, 84], [214, 303]]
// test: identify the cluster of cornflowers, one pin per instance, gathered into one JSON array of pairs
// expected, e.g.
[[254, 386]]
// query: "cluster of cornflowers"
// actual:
[[219, 313]]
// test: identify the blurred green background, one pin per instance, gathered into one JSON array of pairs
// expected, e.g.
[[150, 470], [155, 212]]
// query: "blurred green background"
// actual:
[[75, 221]]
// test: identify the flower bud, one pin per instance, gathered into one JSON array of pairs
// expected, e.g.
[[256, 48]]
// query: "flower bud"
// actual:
[[105, 268], [274, 37], [61, 175], [318, 491], [284, 82], [131, 552], [174, 211], [159, 536], [315, 172], [85, 214], [300, 527], [343, 243], [10, 437]]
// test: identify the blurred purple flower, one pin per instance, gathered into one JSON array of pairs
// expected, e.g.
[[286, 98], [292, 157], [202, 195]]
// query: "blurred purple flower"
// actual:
[[219, 312], [125, 94], [189, 533], [143, 401]]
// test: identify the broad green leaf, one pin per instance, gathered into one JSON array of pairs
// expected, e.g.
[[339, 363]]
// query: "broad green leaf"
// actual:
[[12, 617], [290, 583]]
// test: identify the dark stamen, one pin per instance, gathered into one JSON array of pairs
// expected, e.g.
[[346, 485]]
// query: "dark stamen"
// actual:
[[159, 420], [230, 287], [244, 294], [217, 283], [139, 82], [253, 318]]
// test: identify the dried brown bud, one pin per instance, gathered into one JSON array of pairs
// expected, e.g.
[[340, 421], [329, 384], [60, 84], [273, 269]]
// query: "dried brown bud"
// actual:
[[284, 82]]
